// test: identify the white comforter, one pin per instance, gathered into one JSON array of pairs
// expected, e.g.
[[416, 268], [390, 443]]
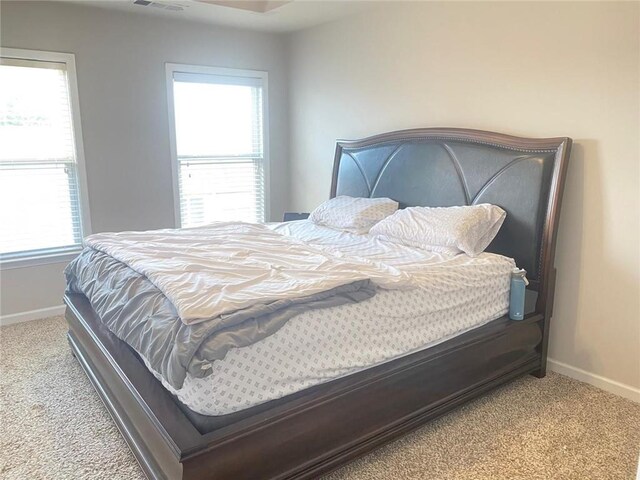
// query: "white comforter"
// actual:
[[224, 267]]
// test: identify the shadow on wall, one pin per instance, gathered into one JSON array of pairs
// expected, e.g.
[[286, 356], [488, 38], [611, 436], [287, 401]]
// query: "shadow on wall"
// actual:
[[584, 270], [568, 260]]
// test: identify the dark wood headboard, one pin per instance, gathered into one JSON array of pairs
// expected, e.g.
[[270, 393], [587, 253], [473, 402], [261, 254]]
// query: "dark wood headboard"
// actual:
[[452, 166]]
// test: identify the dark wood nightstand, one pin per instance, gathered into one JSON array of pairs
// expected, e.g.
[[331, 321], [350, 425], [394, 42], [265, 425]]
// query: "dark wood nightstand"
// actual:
[[291, 216]]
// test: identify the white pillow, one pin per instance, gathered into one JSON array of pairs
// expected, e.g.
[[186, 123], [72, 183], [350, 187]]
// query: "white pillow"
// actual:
[[444, 229], [352, 214]]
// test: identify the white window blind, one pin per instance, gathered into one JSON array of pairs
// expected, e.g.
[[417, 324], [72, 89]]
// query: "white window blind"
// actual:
[[219, 136], [39, 186]]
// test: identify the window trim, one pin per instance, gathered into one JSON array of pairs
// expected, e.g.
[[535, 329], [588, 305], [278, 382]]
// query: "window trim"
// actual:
[[58, 254], [172, 68]]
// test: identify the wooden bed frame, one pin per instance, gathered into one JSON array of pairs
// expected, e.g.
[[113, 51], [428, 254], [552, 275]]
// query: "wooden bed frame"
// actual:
[[315, 431]]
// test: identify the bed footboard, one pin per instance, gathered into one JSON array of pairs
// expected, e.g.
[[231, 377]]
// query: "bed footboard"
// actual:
[[311, 434]]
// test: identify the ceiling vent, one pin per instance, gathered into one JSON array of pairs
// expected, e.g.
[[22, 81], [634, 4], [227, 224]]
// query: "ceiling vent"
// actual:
[[258, 6], [173, 7]]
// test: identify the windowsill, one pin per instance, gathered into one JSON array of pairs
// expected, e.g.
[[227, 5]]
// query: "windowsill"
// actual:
[[44, 258]]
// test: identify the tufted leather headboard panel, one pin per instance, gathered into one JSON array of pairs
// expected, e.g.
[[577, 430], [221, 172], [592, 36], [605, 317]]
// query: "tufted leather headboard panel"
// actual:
[[445, 166]]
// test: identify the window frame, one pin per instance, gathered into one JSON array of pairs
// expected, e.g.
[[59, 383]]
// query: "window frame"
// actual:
[[58, 254], [172, 68]]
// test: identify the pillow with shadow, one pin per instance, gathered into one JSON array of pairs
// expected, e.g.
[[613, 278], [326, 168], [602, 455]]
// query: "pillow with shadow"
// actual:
[[355, 215], [468, 229]]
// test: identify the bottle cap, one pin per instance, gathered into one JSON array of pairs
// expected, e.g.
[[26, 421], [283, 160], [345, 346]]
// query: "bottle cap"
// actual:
[[520, 272]]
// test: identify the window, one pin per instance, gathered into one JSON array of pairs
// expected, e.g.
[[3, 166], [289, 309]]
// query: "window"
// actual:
[[41, 174], [218, 137]]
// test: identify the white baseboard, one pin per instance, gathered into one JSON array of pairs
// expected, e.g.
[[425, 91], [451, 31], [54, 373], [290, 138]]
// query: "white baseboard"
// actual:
[[626, 391], [31, 315]]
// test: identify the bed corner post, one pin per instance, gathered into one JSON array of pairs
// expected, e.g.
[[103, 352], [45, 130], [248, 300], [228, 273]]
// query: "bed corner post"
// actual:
[[545, 303], [548, 313]]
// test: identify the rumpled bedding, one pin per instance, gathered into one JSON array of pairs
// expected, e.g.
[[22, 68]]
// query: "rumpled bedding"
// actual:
[[134, 310], [225, 267], [130, 303], [243, 281]]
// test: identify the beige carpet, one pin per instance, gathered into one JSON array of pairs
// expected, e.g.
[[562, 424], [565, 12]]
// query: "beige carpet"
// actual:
[[54, 426]]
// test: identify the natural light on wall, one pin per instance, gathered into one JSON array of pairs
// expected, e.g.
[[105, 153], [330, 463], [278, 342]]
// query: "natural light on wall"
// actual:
[[220, 147], [39, 194]]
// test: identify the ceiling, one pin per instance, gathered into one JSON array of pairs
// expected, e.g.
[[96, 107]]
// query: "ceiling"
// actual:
[[270, 16]]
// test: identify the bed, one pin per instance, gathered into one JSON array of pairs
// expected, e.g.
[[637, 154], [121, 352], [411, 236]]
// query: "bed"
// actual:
[[313, 430]]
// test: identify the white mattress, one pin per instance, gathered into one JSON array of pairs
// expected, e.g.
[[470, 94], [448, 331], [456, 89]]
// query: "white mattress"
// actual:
[[321, 345]]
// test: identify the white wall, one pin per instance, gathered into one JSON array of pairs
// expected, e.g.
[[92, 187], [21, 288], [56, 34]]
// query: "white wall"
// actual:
[[529, 69], [120, 61]]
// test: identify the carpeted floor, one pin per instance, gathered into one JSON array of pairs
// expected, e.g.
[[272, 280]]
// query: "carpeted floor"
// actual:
[[53, 426]]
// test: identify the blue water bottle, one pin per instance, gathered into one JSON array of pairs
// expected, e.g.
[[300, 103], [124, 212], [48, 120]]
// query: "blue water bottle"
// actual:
[[516, 296]]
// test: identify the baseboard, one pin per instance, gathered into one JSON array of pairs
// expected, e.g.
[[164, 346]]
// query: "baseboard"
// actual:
[[626, 391], [31, 315]]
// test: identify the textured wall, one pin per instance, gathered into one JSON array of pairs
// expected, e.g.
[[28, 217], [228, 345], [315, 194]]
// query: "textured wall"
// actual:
[[529, 69]]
